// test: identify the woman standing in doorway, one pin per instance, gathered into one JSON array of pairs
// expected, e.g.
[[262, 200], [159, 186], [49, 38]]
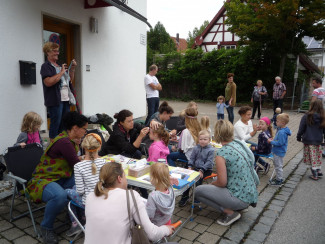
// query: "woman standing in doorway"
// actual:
[[57, 87], [230, 95]]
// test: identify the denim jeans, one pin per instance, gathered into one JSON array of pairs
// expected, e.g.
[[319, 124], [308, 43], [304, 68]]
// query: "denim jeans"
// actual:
[[220, 116], [56, 199], [172, 157], [230, 111], [56, 114], [153, 104]]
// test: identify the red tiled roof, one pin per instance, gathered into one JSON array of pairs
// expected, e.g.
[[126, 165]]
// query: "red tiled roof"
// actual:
[[182, 45]]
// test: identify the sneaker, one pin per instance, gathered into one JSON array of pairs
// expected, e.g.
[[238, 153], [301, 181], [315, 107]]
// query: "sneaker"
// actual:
[[266, 168], [183, 202], [74, 230], [196, 202], [276, 182], [49, 236], [226, 219], [320, 173]]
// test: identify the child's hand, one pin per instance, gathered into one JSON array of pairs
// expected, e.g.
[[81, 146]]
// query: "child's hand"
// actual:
[[171, 229], [253, 148], [23, 144], [174, 181], [269, 140], [174, 149], [201, 174]]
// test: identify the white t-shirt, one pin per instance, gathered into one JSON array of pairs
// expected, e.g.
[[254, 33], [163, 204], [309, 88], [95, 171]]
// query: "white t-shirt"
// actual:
[[242, 131], [148, 79], [320, 94]]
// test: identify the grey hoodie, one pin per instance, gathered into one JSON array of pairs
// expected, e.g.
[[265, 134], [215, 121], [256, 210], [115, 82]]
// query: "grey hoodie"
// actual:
[[160, 206]]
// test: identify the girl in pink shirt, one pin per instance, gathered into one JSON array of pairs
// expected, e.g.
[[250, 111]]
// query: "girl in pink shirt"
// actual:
[[159, 148], [30, 130]]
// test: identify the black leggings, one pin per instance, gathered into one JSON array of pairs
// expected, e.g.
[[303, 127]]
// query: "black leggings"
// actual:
[[256, 105]]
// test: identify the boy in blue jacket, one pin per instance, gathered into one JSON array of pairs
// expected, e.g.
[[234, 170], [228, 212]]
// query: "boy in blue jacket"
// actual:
[[202, 160], [279, 149]]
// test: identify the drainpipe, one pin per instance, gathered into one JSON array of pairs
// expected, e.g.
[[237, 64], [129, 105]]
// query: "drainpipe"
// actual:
[[295, 82]]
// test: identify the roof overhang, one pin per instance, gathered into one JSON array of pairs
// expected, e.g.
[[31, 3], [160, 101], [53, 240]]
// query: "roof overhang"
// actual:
[[118, 4]]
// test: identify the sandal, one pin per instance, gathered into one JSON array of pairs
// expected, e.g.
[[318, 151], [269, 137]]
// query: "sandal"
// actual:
[[313, 178]]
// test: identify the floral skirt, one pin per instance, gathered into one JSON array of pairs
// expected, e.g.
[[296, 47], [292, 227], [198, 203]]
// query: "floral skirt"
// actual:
[[313, 155]]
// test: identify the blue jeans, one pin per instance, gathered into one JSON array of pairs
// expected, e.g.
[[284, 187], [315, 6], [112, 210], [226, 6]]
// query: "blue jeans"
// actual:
[[220, 116], [230, 111], [56, 199], [56, 114], [153, 104], [172, 157]]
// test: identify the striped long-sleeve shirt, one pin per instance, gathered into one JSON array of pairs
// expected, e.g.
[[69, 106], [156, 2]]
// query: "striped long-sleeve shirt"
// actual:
[[85, 180]]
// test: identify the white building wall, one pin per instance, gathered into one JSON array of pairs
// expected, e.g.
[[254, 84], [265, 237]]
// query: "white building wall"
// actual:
[[116, 57]]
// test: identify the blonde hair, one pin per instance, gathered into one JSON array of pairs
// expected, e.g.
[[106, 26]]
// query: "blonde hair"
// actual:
[[159, 175], [260, 82], [92, 143], [163, 135], [223, 131], [204, 133], [221, 97], [49, 46], [191, 104], [108, 175], [30, 120], [284, 117], [278, 110], [205, 123], [192, 124]]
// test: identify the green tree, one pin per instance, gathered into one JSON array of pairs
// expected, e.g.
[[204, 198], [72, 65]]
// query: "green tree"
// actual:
[[196, 32], [276, 26]]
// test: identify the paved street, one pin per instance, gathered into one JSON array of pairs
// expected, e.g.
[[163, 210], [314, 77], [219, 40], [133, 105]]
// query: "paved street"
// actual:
[[303, 217], [253, 227]]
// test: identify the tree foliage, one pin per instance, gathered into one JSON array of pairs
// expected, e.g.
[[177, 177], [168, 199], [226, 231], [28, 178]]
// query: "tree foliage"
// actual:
[[276, 27], [196, 32], [158, 42], [199, 75]]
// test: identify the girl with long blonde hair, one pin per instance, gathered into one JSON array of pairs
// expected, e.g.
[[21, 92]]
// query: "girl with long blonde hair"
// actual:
[[86, 175], [188, 139]]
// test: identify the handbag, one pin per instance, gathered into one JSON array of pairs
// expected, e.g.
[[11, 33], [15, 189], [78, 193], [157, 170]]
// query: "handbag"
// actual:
[[138, 235]]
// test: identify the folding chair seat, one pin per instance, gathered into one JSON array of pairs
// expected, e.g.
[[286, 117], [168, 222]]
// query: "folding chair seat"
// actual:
[[76, 219], [269, 157], [21, 163]]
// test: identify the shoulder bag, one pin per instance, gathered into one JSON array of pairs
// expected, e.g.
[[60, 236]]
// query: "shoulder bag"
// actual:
[[138, 235]]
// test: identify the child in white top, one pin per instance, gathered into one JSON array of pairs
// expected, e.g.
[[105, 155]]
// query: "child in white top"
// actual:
[[86, 176], [161, 202], [30, 130], [205, 124]]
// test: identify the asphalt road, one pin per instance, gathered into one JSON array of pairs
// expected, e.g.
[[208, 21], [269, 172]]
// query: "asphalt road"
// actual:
[[303, 218]]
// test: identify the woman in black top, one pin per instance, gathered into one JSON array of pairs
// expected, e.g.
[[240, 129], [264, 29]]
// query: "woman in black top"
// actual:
[[126, 137]]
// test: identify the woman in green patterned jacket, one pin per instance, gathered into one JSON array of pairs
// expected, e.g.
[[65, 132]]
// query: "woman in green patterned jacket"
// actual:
[[54, 173]]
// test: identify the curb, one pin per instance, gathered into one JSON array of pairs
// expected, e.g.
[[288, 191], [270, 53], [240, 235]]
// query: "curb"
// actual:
[[256, 224]]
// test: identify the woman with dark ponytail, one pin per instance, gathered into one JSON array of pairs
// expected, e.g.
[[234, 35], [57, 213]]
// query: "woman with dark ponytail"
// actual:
[[126, 137]]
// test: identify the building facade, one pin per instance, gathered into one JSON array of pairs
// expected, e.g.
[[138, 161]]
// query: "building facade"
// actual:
[[108, 44]]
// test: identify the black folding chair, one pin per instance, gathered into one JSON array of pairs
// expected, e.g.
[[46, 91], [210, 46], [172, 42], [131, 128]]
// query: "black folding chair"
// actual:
[[21, 163]]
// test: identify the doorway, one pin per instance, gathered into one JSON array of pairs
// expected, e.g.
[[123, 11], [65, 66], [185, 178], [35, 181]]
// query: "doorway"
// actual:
[[67, 35]]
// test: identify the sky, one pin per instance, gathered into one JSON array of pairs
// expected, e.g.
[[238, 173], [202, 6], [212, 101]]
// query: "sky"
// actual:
[[181, 16]]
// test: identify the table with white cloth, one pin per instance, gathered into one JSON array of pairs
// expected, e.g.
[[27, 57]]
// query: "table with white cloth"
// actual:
[[138, 182]]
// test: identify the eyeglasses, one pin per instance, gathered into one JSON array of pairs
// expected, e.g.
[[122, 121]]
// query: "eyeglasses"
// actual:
[[84, 129], [55, 51]]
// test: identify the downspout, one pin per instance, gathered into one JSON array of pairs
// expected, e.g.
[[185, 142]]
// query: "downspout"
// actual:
[[128, 10]]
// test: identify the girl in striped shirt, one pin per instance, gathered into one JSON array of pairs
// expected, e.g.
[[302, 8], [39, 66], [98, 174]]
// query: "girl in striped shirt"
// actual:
[[86, 176]]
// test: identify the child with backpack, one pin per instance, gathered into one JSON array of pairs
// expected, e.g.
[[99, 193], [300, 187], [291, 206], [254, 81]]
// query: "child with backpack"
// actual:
[[161, 202], [311, 133], [30, 130]]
